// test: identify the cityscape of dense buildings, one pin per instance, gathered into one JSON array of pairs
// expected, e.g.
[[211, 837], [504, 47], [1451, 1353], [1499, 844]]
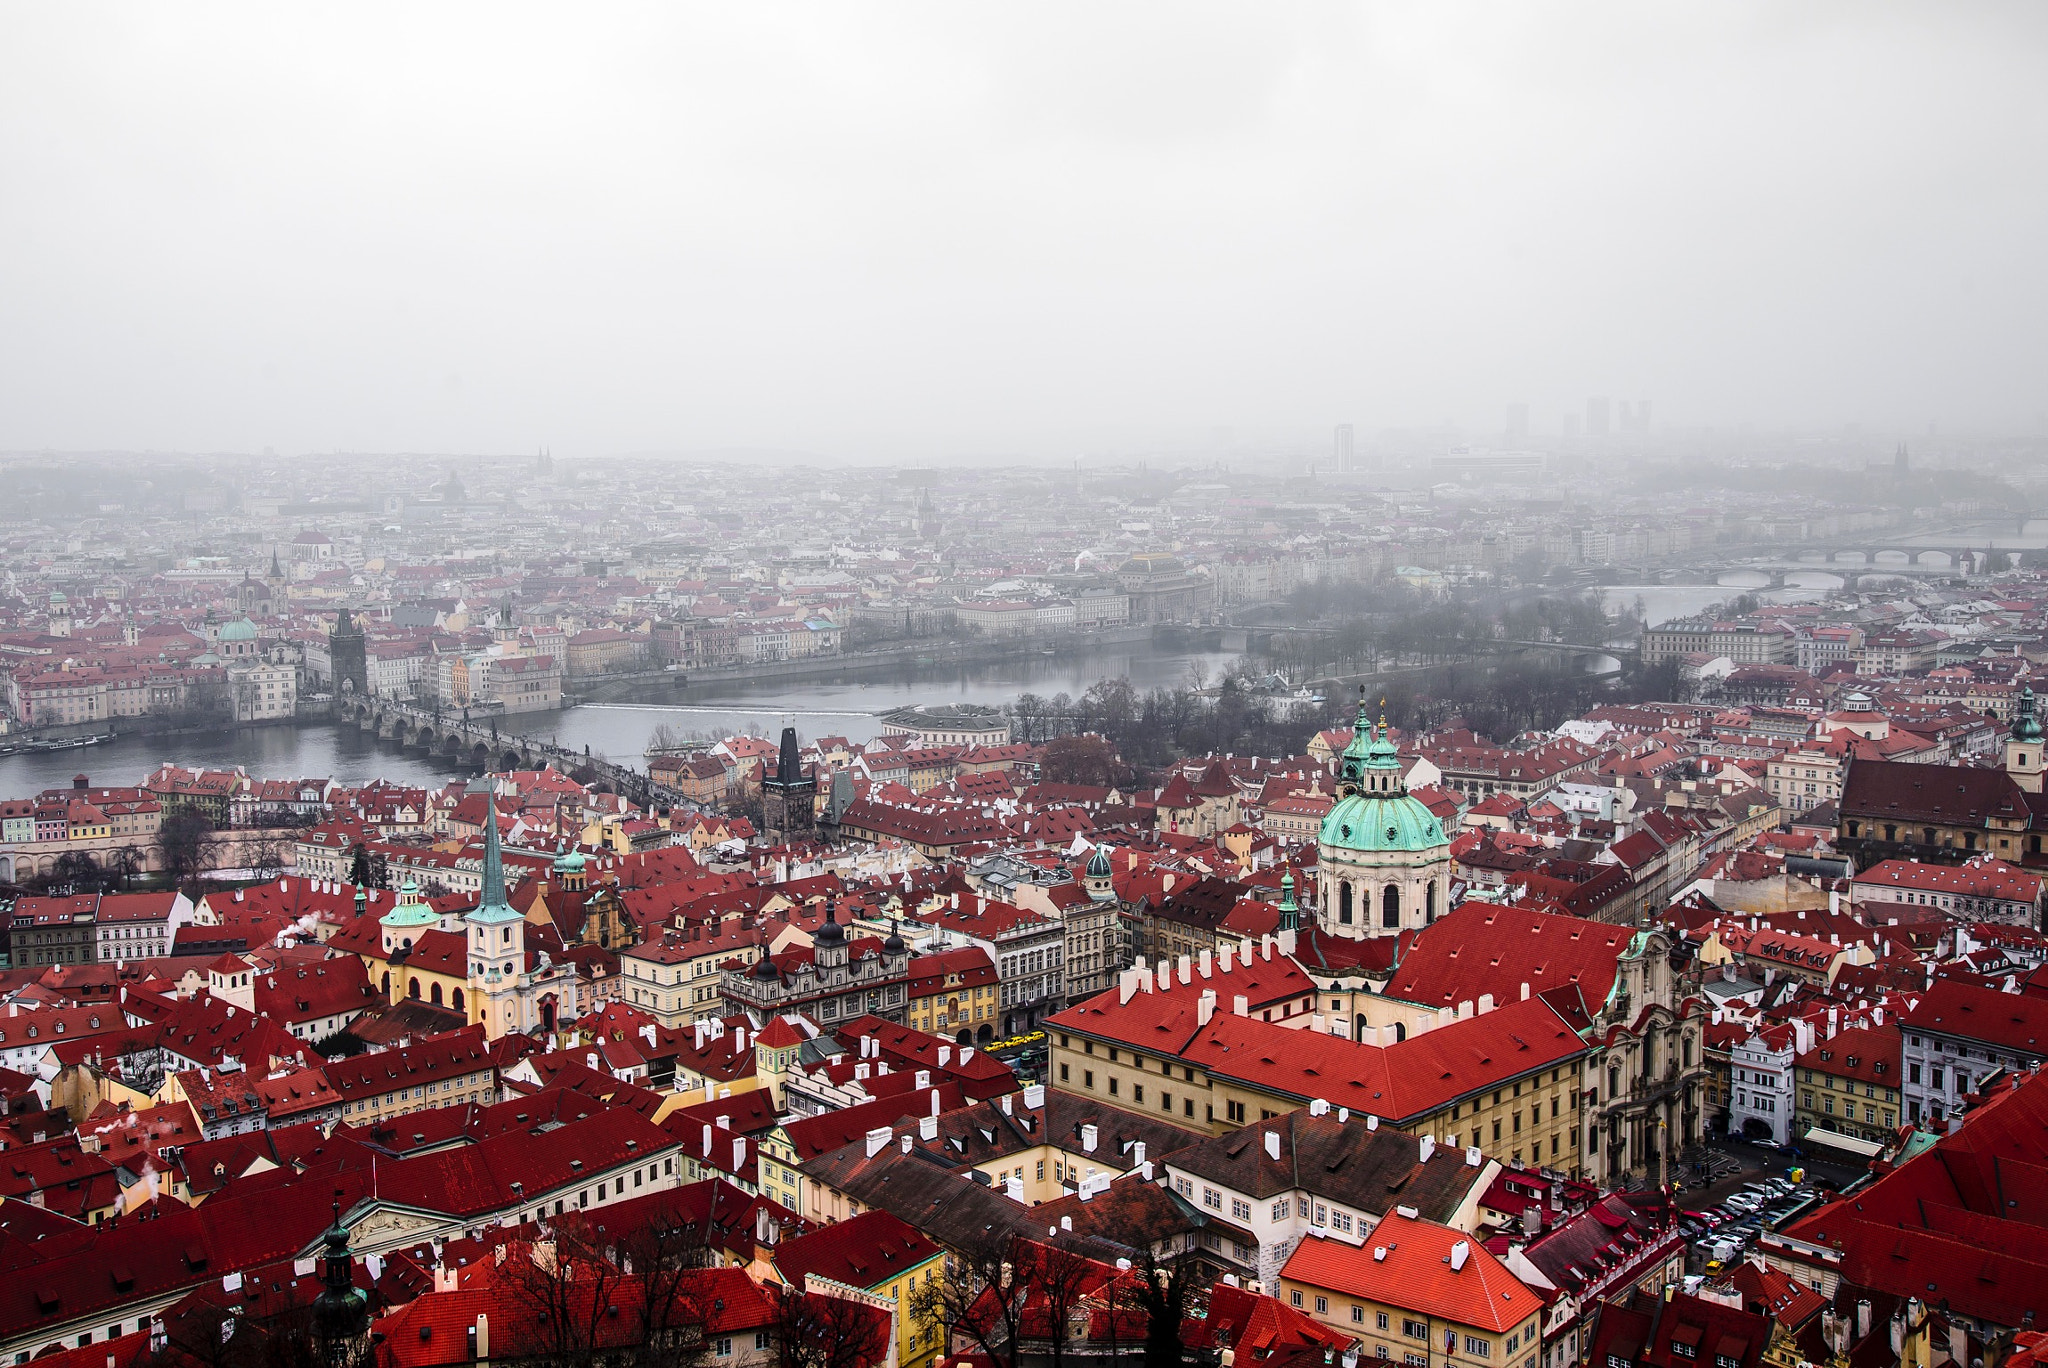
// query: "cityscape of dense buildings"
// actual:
[[1415, 1041]]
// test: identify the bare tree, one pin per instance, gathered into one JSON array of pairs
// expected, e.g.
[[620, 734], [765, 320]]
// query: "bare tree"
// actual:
[[978, 1296], [189, 845], [815, 1330], [1168, 1295]]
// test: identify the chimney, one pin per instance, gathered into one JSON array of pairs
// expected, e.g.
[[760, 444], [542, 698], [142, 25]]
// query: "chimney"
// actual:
[[1165, 976], [1485, 1003], [739, 1156], [1240, 1005], [1285, 940], [725, 1123], [1273, 1145], [927, 1128], [935, 1101], [1088, 1138], [1006, 1104], [1126, 986], [945, 1056], [483, 1337], [1184, 965], [1460, 1252], [1862, 1320], [1137, 1151], [1034, 1097], [1202, 965], [878, 1139], [1525, 992], [707, 1139], [903, 1143], [1266, 947], [1427, 1149], [1223, 957], [924, 1079]]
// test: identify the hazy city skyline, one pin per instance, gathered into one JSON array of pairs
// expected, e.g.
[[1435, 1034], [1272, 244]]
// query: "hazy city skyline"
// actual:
[[930, 233]]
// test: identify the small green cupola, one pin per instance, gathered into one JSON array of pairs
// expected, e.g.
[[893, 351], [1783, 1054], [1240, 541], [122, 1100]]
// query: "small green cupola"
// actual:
[[2026, 726]]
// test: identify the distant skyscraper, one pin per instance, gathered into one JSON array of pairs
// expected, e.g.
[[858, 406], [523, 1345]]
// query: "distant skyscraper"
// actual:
[[1596, 417], [1518, 420], [1344, 449]]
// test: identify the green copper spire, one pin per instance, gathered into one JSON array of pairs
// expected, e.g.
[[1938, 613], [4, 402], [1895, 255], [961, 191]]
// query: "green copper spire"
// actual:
[[491, 906], [1290, 914], [2025, 725], [1351, 767]]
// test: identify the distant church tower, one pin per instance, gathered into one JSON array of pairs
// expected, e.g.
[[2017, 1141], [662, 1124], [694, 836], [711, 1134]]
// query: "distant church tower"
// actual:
[[789, 801], [2023, 747], [349, 654]]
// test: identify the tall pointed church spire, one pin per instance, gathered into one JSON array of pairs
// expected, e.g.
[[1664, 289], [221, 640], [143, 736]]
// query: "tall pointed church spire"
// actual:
[[491, 905]]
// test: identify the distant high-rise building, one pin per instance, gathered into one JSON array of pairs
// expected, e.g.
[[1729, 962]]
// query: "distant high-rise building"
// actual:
[[1571, 425], [1344, 449], [1518, 420], [1899, 462], [1596, 417]]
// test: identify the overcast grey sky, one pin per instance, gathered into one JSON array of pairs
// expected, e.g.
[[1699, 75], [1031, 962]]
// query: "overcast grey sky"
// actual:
[[937, 231]]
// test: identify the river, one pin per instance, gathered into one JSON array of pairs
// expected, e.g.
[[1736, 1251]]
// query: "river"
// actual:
[[825, 705], [1663, 602]]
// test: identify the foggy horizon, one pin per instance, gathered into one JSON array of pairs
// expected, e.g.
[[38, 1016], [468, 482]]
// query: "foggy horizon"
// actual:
[[932, 235]]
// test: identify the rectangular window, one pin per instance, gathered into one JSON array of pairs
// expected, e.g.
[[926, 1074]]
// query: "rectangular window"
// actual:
[[1477, 1347], [1380, 1320], [1294, 1297], [1280, 1209], [1240, 1210], [725, 1346], [1358, 1315]]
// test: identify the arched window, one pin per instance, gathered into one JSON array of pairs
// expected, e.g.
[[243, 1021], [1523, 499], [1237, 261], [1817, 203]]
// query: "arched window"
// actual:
[[385, 987], [1344, 904], [412, 989], [1429, 901], [434, 994], [455, 999], [1390, 906]]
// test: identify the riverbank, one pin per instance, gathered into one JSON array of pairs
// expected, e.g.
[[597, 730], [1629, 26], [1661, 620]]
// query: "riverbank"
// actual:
[[882, 661]]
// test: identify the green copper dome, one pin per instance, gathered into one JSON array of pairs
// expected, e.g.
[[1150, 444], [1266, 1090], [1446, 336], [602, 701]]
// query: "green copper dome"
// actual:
[[241, 629], [1374, 813], [1376, 823], [411, 910]]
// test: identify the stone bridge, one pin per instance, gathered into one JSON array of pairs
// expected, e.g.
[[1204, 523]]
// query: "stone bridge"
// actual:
[[477, 742]]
